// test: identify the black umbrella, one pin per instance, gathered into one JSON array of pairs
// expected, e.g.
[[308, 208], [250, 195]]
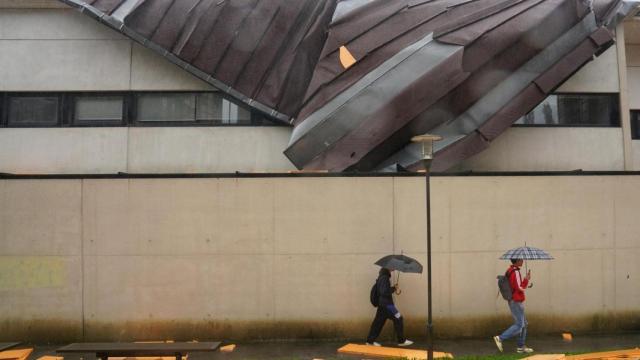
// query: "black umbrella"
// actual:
[[400, 263]]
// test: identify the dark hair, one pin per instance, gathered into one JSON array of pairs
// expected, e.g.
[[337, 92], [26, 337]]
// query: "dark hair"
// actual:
[[384, 271], [513, 261]]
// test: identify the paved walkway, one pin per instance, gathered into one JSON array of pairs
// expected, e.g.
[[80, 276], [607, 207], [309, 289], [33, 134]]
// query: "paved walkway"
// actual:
[[308, 350]]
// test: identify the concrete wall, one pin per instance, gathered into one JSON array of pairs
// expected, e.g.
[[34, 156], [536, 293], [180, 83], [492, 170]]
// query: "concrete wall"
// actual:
[[293, 257], [597, 76], [551, 149], [143, 150], [632, 40]]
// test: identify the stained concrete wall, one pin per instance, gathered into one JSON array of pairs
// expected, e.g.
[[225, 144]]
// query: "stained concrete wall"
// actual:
[[293, 257]]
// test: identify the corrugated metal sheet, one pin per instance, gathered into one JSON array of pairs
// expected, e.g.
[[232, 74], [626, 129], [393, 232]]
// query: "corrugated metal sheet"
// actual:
[[261, 52], [462, 68]]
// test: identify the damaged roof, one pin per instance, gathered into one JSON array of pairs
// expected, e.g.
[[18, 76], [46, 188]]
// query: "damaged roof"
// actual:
[[358, 78]]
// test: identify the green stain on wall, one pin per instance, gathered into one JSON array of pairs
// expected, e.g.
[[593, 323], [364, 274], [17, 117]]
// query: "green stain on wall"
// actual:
[[29, 272]]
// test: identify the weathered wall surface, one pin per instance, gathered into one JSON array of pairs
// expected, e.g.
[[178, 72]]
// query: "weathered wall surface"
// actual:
[[230, 258]]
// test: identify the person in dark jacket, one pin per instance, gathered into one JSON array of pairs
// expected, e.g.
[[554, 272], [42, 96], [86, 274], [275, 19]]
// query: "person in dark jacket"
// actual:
[[386, 310]]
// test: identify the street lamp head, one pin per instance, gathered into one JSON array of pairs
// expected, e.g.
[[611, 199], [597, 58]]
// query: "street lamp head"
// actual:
[[426, 142]]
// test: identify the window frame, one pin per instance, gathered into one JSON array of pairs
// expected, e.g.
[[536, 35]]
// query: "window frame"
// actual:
[[256, 119], [634, 119], [67, 101], [619, 121], [7, 96], [71, 110]]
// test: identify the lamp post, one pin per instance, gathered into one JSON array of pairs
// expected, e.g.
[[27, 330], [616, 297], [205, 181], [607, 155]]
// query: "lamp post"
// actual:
[[426, 141]]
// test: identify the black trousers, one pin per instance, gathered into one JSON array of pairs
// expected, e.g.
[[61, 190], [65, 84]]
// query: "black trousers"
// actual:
[[382, 315]]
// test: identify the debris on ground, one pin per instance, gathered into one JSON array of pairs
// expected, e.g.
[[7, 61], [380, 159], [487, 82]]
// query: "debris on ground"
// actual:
[[228, 348], [389, 352]]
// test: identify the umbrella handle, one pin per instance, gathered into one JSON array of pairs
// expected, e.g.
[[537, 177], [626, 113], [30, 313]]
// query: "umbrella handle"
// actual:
[[398, 291]]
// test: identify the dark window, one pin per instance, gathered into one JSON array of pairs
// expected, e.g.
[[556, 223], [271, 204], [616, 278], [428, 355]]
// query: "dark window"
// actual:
[[125, 109], [98, 110], [33, 110], [575, 110], [635, 124]]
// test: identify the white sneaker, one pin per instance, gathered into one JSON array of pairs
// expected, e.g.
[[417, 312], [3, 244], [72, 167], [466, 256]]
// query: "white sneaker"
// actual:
[[524, 350], [374, 344], [498, 342], [406, 343]]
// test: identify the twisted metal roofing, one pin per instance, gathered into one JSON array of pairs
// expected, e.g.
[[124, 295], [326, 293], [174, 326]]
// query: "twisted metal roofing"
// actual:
[[359, 78]]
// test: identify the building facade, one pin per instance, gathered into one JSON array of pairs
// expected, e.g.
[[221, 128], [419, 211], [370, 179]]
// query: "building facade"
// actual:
[[139, 202]]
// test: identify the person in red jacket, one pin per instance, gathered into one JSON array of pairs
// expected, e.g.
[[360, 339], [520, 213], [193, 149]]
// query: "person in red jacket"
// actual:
[[516, 305]]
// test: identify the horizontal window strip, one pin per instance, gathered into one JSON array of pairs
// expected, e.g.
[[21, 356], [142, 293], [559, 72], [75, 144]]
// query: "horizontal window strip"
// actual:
[[113, 109]]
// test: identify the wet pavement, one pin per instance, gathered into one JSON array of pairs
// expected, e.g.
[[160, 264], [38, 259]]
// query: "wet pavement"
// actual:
[[290, 350]]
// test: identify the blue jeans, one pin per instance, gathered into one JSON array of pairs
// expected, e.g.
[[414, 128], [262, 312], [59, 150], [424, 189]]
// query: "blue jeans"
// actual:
[[519, 326]]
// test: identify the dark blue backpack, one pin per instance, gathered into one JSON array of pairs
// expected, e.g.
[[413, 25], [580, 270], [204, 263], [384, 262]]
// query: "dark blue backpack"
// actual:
[[374, 297]]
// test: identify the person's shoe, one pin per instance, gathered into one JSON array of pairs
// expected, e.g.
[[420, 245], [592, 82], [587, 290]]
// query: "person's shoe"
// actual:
[[498, 342], [406, 343], [374, 344], [524, 350]]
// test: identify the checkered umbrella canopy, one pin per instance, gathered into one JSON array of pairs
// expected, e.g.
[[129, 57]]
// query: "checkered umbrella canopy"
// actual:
[[526, 253]]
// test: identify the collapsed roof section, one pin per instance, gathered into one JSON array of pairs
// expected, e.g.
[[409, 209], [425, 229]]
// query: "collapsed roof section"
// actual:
[[262, 53], [465, 70], [359, 78]]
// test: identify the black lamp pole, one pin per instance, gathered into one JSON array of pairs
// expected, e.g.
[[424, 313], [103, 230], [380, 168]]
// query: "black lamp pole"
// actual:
[[429, 315], [426, 142]]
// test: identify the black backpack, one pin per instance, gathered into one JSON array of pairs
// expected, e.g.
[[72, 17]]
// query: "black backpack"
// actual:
[[374, 297], [504, 286]]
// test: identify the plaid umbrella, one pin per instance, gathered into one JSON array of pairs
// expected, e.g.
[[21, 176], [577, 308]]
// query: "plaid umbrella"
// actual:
[[526, 253]]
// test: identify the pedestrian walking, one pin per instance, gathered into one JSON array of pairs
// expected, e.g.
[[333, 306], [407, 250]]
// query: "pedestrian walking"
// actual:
[[382, 293], [516, 305]]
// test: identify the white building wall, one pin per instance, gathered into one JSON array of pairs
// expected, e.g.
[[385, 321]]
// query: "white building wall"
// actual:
[[598, 76], [632, 39], [64, 50], [551, 149]]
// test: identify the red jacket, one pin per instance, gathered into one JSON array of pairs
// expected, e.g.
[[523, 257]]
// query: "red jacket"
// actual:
[[518, 285]]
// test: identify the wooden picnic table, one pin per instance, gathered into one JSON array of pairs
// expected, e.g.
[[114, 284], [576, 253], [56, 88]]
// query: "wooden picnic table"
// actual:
[[105, 350], [8, 345]]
